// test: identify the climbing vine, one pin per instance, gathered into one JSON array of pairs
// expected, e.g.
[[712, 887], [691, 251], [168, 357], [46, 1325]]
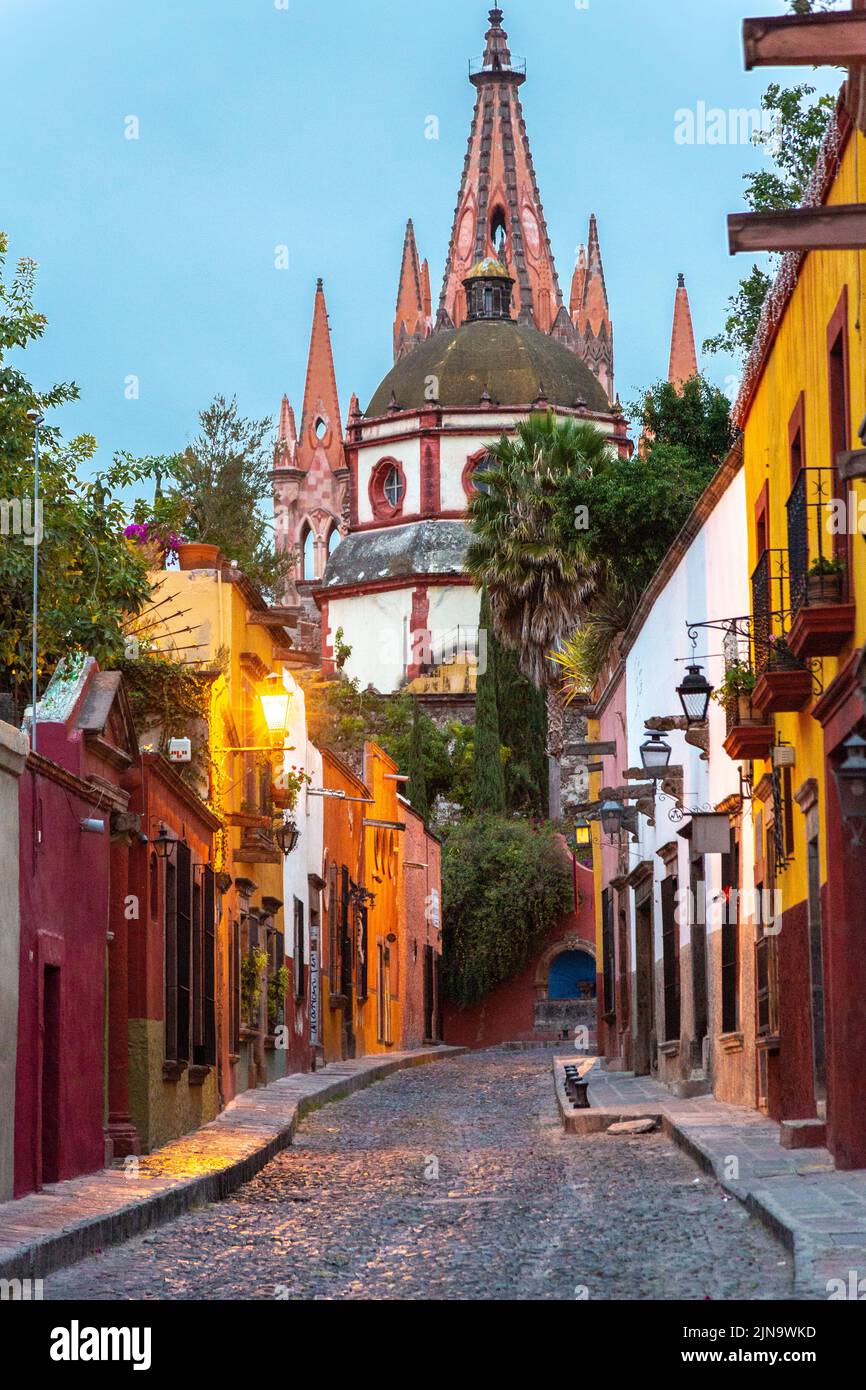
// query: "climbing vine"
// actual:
[[504, 883]]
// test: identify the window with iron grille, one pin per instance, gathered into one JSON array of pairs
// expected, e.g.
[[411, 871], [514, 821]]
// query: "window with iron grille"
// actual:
[[333, 931], [345, 936], [731, 941], [299, 951], [671, 959], [607, 943], [362, 986]]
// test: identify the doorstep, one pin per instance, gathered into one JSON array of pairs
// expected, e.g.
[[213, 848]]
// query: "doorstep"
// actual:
[[65, 1222], [818, 1212]]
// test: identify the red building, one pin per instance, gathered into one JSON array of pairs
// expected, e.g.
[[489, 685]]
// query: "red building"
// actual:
[[552, 998], [72, 804]]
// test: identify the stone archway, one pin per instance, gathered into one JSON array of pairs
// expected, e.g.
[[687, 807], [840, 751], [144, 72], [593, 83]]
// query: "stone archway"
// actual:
[[560, 1017]]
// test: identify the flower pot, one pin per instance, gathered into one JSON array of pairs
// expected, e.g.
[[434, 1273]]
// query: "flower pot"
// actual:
[[195, 555], [824, 588]]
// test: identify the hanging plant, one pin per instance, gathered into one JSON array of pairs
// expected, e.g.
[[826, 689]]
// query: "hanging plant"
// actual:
[[253, 967]]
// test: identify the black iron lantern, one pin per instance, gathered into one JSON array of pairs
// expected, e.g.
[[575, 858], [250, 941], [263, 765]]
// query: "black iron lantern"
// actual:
[[288, 836], [164, 842], [695, 694], [612, 814], [851, 784], [655, 754], [582, 834]]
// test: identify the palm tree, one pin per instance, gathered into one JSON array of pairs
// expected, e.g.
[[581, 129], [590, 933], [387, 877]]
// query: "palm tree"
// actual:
[[529, 553]]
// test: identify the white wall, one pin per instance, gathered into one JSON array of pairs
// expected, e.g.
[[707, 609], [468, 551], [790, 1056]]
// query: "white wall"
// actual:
[[378, 628], [710, 584]]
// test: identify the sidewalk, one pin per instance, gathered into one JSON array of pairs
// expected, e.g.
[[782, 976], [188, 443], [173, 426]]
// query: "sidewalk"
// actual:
[[69, 1220], [819, 1213]]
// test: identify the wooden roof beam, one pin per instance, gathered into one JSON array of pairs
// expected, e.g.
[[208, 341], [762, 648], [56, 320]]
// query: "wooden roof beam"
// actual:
[[837, 228], [814, 40]]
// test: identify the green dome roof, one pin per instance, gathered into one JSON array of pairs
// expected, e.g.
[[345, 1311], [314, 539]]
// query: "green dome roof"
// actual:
[[509, 360]]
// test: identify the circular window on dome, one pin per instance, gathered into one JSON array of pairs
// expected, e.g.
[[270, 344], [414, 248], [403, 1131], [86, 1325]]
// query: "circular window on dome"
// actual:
[[473, 474], [387, 489]]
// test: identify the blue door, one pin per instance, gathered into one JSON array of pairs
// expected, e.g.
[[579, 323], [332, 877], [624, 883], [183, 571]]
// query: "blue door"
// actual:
[[568, 973]]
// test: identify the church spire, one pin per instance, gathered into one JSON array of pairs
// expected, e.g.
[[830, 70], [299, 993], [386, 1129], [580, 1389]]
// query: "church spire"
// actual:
[[684, 358], [593, 321], [321, 428], [499, 211], [412, 322]]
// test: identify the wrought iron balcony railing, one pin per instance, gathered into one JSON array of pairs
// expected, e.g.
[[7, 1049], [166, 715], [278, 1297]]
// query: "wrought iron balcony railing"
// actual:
[[811, 540]]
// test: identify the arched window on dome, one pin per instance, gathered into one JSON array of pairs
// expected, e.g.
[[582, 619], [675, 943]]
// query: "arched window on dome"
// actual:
[[476, 466], [308, 553]]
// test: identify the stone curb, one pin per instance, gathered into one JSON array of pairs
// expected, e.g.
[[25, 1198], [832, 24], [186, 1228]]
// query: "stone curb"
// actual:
[[245, 1124], [813, 1259]]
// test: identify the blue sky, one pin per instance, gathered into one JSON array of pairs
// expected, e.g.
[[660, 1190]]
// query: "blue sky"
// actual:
[[305, 127]]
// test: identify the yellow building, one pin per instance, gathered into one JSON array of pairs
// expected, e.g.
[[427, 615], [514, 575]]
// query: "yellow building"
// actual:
[[802, 403], [216, 621]]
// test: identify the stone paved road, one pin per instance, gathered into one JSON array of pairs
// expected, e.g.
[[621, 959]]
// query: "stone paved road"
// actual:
[[518, 1210]]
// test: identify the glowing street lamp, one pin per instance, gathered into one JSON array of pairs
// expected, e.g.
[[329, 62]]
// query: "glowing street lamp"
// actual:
[[583, 834], [275, 706]]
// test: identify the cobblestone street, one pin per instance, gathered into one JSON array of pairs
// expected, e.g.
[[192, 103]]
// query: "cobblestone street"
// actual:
[[454, 1181]]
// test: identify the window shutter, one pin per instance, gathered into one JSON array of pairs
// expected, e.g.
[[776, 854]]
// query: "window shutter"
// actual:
[[170, 946], [209, 1056], [670, 952], [184, 952]]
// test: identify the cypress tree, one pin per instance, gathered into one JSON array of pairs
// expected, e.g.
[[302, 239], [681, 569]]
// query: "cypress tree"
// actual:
[[416, 787], [523, 730], [488, 776]]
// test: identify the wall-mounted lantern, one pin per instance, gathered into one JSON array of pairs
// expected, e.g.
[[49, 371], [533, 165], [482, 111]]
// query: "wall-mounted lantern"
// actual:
[[655, 754], [850, 779], [288, 836], [164, 843], [695, 694], [611, 816], [275, 700], [582, 834]]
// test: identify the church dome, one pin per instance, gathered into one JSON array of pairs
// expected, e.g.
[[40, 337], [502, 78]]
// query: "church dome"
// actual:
[[511, 361]]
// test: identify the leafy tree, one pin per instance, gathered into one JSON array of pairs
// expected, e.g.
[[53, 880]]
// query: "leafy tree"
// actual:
[[217, 487], [530, 556], [416, 789], [342, 716], [794, 139], [489, 779], [504, 882], [90, 580], [695, 418]]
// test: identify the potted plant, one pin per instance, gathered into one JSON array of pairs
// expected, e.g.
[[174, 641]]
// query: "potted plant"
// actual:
[[824, 580], [278, 988], [736, 690]]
